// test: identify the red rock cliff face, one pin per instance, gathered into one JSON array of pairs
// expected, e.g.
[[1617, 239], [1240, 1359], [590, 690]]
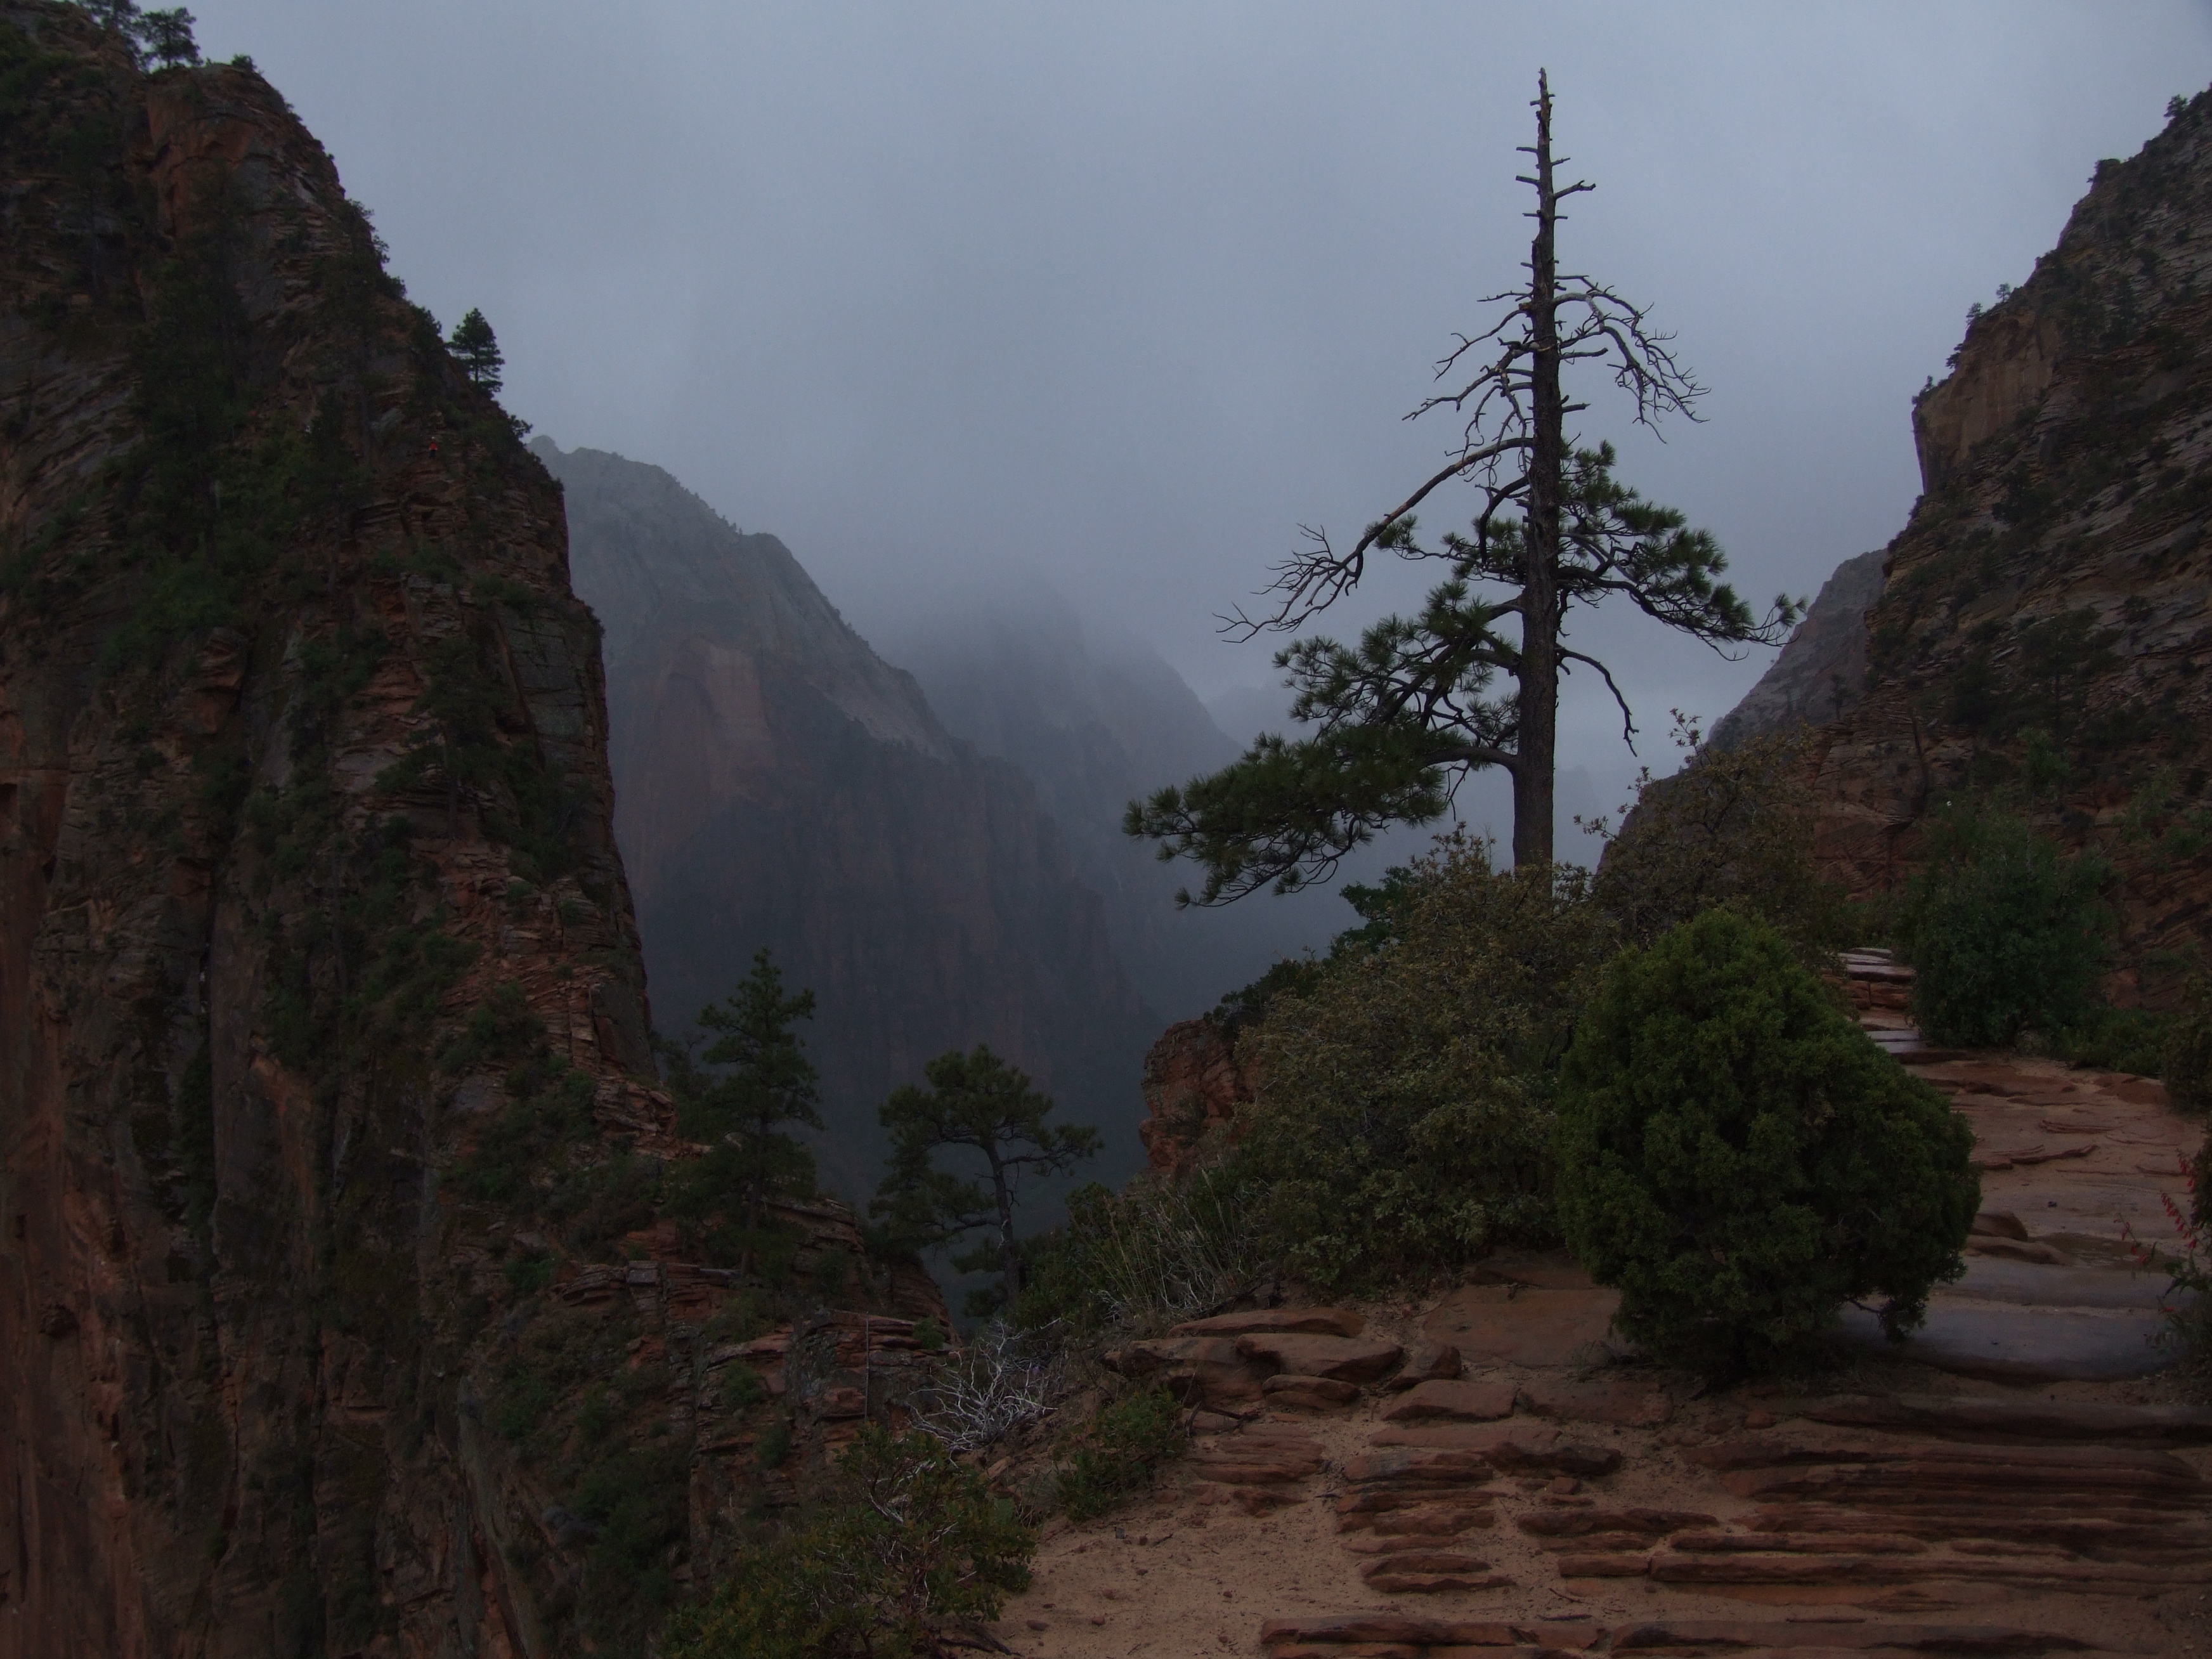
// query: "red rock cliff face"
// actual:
[[782, 786], [2046, 621], [322, 1028]]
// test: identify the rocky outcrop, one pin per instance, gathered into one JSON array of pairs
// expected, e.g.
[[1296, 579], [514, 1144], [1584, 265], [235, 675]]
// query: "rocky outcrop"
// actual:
[[1820, 674], [337, 1315], [779, 784], [1193, 1084], [2046, 615]]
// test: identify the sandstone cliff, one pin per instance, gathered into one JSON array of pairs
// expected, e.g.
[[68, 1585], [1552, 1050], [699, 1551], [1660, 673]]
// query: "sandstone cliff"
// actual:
[[335, 1313], [778, 784], [2046, 617], [1820, 674]]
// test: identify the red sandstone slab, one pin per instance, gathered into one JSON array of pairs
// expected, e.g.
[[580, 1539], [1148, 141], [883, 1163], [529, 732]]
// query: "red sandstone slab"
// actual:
[[1303, 1322], [1632, 1405], [1514, 1324], [1692, 1634], [1343, 1358], [1466, 1402], [2009, 1417]]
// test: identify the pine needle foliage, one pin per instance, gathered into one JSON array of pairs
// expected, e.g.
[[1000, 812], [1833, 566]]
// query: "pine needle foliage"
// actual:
[[1741, 1159]]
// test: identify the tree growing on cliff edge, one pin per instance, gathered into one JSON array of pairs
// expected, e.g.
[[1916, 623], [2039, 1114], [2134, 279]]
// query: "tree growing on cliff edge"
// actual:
[[978, 1102], [743, 1113], [1407, 713], [475, 349]]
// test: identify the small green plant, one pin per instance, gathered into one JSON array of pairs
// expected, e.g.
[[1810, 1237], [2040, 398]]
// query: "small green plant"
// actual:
[[2187, 1263], [2185, 1059], [903, 1553], [2005, 933], [1118, 1452], [1741, 1159], [930, 1334], [742, 1388], [773, 1450]]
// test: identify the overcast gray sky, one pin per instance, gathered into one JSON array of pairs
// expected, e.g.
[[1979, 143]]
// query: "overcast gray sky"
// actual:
[[1123, 294]]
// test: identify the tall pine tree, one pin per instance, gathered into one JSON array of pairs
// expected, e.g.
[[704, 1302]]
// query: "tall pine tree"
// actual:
[[1407, 713]]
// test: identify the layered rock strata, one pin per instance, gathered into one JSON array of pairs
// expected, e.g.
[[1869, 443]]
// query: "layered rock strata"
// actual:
[[337, 1315], [2045, 620]]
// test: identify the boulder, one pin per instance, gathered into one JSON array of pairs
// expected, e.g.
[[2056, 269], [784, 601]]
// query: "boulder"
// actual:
[[1313, 1393], [1432, 1362], [1467, 1403], [1343, 1358], [1261, 1322], [1199, 1370]]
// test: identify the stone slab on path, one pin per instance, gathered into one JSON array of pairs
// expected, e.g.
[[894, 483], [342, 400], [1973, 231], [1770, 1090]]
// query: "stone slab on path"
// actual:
[[2012, 1418], [2011, 1343], [1520, 1324]]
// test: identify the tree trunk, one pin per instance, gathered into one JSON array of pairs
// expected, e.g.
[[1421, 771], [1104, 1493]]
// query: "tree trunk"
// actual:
[[1537, 739], [1010, 1263]]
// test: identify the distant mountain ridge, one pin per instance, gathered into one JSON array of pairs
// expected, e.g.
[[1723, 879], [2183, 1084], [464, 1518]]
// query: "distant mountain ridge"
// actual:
[[1096, 721], [779, 784]]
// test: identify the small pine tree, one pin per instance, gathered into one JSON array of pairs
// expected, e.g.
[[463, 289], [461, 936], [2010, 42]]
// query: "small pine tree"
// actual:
[[978, 1102], [475, 348], [743, 1113], [168, 37]]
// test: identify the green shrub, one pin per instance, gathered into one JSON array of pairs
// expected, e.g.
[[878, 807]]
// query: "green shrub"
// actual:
[[1118, 1452], [2004, 932], [1733, 827], [1140, 1260], [1402, 1124], [2185, 1059], [1739, 1157], [2137, 1040], [905, 1547]]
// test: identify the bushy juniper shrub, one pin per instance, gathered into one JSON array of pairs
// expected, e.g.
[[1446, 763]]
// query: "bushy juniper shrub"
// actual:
[[901, 1546], [2005, 931], [1118, 1452], [1741, 1159], [1403, 1122]]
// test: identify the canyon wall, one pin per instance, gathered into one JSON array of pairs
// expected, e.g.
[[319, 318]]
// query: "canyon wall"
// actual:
[[2044, 625], [779, 784], [336, 1313]]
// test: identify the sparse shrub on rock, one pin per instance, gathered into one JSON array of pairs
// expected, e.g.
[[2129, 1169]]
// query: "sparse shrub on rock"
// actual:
[[2185, 1062], [1741, 1159], [904, 1552], [2004, 931], [1118, 1452], [1403, 1123]]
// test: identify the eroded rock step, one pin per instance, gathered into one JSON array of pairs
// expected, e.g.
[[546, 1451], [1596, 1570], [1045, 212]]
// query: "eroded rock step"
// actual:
[[1395, 1636]]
